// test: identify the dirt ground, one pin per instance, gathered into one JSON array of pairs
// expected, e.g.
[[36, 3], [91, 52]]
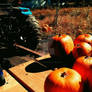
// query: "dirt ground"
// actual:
[[69, 19]]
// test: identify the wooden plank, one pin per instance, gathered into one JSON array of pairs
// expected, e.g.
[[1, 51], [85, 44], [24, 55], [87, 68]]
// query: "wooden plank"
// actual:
[[27, 49], [43, 57], [11, 84], [34, 78]]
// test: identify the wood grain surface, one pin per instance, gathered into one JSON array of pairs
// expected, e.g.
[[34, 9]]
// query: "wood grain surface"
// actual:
[[11, 84], [31, 74]]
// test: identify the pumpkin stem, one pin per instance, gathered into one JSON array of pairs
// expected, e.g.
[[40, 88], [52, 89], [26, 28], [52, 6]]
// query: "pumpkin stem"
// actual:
[[86, 57], [90, 66], [63, 74], [86, 86], [59, 34], [78, 45]]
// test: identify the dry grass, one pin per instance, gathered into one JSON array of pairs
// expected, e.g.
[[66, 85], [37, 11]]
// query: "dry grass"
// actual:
[[70, 20]]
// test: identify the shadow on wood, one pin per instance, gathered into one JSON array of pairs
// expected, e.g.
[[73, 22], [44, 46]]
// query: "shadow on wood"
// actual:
[[50, 63], [45, 64]]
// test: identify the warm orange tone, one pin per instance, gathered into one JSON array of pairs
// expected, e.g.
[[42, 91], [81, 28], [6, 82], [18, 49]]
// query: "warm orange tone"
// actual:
[[84, 38], [46, 28], [63, 80], [82, 49], [60, 45], [67, 43], [83, 65]]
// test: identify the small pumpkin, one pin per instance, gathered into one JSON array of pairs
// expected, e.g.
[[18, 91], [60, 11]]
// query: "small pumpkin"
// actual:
[[63, 80], [46, 28], [83, 65], [83, 38], [60, 45], [81, 49]]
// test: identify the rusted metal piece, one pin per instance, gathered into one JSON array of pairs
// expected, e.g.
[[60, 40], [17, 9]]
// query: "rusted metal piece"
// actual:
[[27, 49]]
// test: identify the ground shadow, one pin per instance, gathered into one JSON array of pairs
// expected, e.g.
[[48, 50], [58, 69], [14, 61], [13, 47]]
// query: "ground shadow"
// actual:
[[12, 52]]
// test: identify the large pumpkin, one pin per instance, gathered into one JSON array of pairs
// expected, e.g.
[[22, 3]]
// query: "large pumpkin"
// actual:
[[60, 45], [83, 38], [63, 80], [83, 65], [82, 49]]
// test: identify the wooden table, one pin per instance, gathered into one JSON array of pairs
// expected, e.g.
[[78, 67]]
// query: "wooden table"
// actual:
[[11, 84], [31, 75]]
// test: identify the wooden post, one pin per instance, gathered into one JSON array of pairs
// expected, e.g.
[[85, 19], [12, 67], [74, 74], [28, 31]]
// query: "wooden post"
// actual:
[[57, 11]]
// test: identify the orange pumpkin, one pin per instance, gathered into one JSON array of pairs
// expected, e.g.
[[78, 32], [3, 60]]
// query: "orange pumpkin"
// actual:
[[63, 80], [60, 46], [66, 43], [83, 65], [81, 49], [84, 38]]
